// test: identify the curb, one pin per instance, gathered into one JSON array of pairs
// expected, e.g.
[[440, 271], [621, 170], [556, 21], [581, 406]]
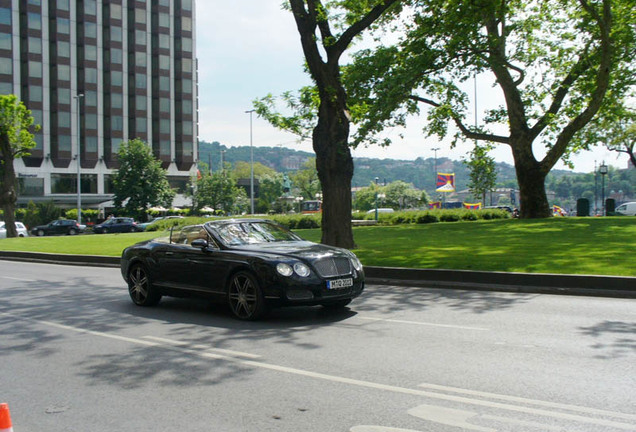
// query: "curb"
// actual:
[[538, 283]]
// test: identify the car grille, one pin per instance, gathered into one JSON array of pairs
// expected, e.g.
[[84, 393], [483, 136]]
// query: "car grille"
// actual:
[[331, 267]]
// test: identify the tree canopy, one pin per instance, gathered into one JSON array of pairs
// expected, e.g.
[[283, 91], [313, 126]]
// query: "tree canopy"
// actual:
[[140, 182]]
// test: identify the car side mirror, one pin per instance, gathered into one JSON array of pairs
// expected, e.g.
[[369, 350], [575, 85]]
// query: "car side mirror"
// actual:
[[199, 243]]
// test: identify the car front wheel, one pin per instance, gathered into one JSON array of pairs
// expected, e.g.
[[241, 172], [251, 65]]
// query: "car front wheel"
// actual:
[[72, 232], [40, 233], [140, 287], [245, 297]]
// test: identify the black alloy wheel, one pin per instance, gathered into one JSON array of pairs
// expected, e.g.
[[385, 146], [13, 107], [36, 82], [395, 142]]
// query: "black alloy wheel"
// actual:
[[245, 297], [140, 287]]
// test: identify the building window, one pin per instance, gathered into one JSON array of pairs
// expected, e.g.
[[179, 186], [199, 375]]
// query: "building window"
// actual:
[[140, 16], [141, 125], [35, 92], [187, 107], [63, 72], [6, 88], [164, 126], [116, 100], [90, 121], [141, 59], [164, 147], [164, 83], [34, 21], [140, 37], [164, 62], [91, 75], [186, 5], [116, 78], [35, 45], [64, 143], [63, 26], [63, 5], [6, 66], [140, 81], [63, 183], [37, 115], [187, 128], [186, 86], [90, 52], [35, 2], [186, 23], [35, 69], [164, 105], [164, 20], [117, 123], [5, 16], [164, 41], [90, 144], [90, 7], [186, 65], [90, 29], [63, 119], [141, 103], [114, 145], [63, 49], [164, 3], [31, 186], [90, 98], [64, 96], [186, 44], [115, 34], [5, 43], [115, 55], [115, 11]]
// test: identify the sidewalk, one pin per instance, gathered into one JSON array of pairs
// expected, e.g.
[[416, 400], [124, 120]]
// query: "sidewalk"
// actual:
[[541, 283]]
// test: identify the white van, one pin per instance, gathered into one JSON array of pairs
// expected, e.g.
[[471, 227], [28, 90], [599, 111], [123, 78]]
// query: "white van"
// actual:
[[627, 209]]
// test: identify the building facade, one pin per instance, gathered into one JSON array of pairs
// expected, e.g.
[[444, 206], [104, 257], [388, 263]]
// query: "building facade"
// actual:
[[96, 73]]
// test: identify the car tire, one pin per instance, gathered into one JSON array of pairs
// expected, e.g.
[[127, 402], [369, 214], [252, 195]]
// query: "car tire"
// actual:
[[337, 305], [140, 287], [245, 297], [72, 232], [132, 229], [40, 233], [104, 230]]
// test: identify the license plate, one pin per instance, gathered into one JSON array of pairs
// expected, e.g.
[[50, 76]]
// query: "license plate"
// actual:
[[339, 283]]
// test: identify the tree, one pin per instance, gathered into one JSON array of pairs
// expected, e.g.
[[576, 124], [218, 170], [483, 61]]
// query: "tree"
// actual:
[[306, 180], [483, 173], [553, 65], [16, 139], [269, 191], [140, 182], [401, 195], [219, 191], [323, 50], [243, 170]]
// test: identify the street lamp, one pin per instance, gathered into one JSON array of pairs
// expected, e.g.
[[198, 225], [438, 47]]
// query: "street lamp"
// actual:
[[79, 97], [376, 198], [603, 170], [435, 150], [251, 164]]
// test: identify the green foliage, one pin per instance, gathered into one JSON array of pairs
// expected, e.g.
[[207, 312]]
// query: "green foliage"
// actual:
[[16, 126], [306, 180], [140, 182], [483, 173], [218, 191]]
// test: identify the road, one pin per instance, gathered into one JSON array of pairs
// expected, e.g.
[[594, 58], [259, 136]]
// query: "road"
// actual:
[[77, 355]]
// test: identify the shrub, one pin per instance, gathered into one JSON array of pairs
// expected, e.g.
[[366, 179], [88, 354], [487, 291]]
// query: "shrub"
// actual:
[[427, 217]]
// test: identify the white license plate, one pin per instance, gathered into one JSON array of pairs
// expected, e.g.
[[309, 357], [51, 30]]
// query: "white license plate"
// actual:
[[339, 283]]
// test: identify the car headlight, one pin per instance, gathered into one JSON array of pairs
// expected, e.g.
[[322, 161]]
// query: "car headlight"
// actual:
[[356, 263], [284, 269], [301, 269]]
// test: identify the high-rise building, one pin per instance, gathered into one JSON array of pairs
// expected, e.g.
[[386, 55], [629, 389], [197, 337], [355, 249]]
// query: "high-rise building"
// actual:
[[96, 73]]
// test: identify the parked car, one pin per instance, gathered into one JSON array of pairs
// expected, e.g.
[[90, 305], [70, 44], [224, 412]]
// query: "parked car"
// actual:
[[58, 227], [626, 209], [145, 225], [252, 264], [117, 225], [19, 226], [381, 210]]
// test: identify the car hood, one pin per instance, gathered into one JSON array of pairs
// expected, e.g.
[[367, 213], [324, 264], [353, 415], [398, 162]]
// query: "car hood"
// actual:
[[299, 249]]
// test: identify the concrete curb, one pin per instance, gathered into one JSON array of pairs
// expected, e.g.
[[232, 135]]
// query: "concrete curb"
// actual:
[[540, 283]]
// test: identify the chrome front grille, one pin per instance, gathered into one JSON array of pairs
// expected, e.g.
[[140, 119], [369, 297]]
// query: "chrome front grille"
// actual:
[[331, 267]]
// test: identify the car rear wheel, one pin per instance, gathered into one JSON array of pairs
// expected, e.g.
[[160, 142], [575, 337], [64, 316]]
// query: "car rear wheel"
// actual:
[[72, 232], [40, 233], [245, 297], [140, 287]]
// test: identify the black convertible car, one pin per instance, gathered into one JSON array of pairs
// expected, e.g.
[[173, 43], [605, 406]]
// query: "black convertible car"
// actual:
[[252, 264]]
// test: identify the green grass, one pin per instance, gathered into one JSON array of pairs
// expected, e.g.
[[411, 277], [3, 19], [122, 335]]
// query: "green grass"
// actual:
[[598, 246]]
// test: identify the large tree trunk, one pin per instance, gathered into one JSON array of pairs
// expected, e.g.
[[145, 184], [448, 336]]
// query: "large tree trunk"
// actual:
[[531, 179], [8, 195], [335, 171]]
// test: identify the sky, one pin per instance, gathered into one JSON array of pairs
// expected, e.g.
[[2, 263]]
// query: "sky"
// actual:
[[247, 49]]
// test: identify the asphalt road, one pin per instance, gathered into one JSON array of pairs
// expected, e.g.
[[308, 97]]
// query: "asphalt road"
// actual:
[[77, 355]]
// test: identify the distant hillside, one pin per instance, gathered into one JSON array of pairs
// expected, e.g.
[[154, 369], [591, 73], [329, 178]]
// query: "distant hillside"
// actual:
[[419, 172]]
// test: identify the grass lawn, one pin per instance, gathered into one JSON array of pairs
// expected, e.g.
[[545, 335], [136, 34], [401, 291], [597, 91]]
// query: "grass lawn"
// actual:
[[600, 246]]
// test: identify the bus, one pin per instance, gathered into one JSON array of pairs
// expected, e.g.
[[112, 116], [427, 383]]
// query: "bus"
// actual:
[[309, 207]]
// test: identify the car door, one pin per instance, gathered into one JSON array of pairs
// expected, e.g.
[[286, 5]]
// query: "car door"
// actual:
[[208, 268]]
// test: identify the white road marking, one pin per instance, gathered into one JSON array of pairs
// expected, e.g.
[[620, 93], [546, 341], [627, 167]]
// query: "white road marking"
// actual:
[[368, 384], [424, 323], [205, 347], [18, 279], [448, 417]]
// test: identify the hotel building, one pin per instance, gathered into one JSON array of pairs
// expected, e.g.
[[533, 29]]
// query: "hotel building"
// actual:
[[96, 73]]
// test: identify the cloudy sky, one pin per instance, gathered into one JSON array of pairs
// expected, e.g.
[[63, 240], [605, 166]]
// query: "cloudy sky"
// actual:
[[249, 48]]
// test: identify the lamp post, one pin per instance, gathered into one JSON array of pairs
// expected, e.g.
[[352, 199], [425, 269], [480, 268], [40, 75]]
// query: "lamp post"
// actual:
[[435, 150], [603, 170], [376, 198], [79, 97], [251, 163]]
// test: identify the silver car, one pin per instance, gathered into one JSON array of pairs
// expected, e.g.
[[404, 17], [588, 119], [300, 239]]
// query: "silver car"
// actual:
[[22, 230]]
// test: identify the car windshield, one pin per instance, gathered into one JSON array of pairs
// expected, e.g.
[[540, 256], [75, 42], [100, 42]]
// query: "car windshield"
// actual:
[[242, 233]]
